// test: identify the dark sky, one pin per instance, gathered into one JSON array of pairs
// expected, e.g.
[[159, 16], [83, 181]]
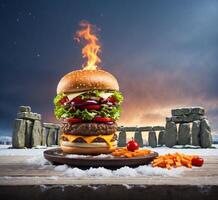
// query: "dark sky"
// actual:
[[163, 53]]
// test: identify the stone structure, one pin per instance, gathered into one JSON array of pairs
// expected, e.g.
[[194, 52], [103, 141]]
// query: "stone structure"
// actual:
[[199, 135], [52, 133], [29, 132], [138, 135]]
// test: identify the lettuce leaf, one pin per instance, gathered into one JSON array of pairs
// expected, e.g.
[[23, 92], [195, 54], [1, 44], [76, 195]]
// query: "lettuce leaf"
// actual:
[[87, 115], [64, 111]]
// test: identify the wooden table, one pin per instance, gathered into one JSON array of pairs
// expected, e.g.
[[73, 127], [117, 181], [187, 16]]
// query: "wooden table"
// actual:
[[21, 181]]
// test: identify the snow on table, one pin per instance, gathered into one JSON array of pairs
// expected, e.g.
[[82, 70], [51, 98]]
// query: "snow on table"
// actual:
[[23, 164]]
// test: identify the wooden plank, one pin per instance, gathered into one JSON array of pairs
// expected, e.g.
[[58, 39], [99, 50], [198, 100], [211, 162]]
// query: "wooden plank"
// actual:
[[16, 171], [34, 180]]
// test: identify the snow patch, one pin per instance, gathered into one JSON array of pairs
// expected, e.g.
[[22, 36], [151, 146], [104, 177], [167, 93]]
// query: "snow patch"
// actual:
[[37, 160], [124, 172]]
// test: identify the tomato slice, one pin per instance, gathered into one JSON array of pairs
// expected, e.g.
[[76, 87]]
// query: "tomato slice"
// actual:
[[91, 107], [103, 119], [74, 120], [77, 100], [111, 99], [63, 100]]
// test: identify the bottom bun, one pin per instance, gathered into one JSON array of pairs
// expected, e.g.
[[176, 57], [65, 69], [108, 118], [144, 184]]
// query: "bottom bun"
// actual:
[[87, 150]]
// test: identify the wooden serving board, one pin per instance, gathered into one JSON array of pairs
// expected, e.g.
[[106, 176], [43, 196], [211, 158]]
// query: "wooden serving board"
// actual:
[[56, 156]]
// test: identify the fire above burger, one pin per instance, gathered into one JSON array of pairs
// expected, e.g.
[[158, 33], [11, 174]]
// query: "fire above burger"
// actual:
[[88, 103]]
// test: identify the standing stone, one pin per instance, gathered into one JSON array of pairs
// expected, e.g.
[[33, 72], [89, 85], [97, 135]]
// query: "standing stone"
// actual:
[[58, 132], [138, 137], [44, 136], [171, 134], [122, 139], [184, 136], [28, 133], [152, 139], [161, 138], [205, 134], [51, 137], [18, 139], [36, 133], [196, 133]]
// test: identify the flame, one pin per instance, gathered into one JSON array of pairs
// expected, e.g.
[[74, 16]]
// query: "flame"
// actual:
[[92, 46]]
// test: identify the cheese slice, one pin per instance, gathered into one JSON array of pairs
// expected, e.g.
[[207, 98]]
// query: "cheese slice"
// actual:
[[105, 95], [73, 95], [89, 139]]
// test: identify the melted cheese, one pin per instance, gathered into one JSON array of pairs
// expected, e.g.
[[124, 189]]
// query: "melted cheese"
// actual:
[[90, 139]]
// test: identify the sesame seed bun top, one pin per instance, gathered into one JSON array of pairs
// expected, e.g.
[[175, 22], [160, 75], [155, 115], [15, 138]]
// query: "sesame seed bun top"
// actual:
[[83, 80]]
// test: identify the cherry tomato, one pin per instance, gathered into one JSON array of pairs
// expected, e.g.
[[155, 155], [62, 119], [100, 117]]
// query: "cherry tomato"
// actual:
[[197, 161], [63, 100], [132, 145], [103, 119], [74, 120], [90, 107]]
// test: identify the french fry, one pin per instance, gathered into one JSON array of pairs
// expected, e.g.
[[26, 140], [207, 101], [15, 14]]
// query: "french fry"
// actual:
[[173, 160], [123, 152]]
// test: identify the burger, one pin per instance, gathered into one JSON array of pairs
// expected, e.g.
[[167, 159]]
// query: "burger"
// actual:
[[88, 105]]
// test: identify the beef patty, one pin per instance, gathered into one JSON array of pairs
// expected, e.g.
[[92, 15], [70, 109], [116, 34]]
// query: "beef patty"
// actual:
[[87, 129]]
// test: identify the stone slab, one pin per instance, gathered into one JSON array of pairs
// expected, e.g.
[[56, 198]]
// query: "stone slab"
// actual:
[[122, 139], [205, 134], [187, 119], [152, 139], [51, 125], [161, 138], [184, 136], [28, 133], [37, 133], [198, 110], [145, 128], [171, 134], [51, 139], [188, 111], [18, 138], [181, 111], [130, 128], [27, 115], [25, 109], [138, 138], [44, 136], [158, 128], [196, 133]]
